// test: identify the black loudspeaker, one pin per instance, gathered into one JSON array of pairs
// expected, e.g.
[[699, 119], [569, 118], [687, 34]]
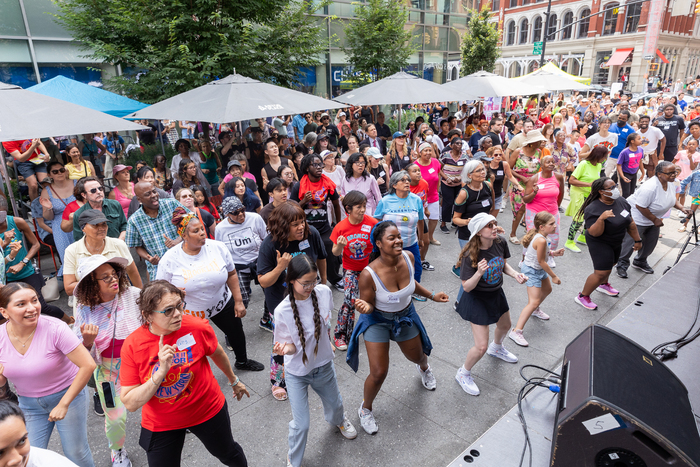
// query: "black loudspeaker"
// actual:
[[621, 407]]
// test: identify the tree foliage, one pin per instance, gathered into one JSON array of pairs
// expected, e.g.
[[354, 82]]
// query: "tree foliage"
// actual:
[[480, 43], [377, 44], [166, 47]]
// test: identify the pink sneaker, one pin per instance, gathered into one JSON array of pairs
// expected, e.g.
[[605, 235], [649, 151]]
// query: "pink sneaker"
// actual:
[[517, 337], [538, 313], [608, 289], [585, 302]]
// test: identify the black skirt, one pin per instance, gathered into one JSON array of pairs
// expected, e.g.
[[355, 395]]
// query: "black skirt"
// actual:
[[483, 308]]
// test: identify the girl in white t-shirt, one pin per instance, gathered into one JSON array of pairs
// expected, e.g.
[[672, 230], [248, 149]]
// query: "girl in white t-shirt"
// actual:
[[302, 335]]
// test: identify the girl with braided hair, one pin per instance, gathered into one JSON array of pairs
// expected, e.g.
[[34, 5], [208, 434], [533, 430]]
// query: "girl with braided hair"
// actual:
[[302, 335]]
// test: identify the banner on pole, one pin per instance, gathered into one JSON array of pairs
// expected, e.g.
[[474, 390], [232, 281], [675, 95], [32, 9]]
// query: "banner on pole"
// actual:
[[656, 10]]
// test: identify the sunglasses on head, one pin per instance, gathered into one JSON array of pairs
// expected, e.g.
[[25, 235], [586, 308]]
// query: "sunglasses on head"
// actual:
[[95, 190], [59, 171]]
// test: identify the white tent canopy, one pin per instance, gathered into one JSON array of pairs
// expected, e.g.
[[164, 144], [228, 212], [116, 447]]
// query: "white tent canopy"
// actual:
[[485, 84], [400, 88]]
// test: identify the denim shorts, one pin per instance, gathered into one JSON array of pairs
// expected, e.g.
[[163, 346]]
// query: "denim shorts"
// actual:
[[382, 332], [534, 276], [27, 169], [498, 202]]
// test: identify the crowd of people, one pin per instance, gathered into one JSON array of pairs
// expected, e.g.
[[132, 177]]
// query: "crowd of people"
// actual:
[[299, 206]]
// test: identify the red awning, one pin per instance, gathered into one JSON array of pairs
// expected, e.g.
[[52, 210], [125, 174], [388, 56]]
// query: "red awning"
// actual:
[[618, 58], [661, 56]]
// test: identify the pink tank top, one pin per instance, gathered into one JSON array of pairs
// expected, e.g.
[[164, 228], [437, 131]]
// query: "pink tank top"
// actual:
[[123, 200], [546, 197]]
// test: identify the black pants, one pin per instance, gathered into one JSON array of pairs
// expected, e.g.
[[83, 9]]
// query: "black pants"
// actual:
[[628, 188], [650, 237], [164, 448], [449, 195], [233, 328], [332, 262], [669, 153], [37, 281]]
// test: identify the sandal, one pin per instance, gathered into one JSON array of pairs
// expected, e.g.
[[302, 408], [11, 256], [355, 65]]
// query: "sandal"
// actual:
[[514, 240], [682, 229], [279, 393]]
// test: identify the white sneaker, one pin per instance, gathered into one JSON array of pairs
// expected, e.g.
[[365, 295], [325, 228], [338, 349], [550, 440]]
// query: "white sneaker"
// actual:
[[467, 382], [501, 353], [347, 429], [120, 458], [427, 378], [367, 420], [517, 337], [71, 300], [540, 314]]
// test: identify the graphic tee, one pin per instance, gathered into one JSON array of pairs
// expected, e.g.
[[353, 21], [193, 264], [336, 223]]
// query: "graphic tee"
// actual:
[[316, 208], [356, 252], [189, 394], [404, 212], [243, 240], [496, 256], [630, 160], [21, 146]]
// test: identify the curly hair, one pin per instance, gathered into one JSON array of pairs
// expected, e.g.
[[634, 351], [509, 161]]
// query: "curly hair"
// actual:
[[299, 266], [88, 290], [306, 163], [152, 294], [281, 220]]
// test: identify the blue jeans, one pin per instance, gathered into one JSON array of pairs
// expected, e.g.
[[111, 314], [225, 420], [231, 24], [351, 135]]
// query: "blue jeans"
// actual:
[[417, 266], [324, 382], [72, 429], [461, 289]]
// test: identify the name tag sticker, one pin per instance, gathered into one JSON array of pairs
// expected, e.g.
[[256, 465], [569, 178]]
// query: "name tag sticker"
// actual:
[[304, 245], [431, 171], [540, 186], [406, 158], [460, 162], [185, 342], [499, 172], [486, 202], [366, 228], [625, 213], [598, 425], [393, 299], [382, 173]]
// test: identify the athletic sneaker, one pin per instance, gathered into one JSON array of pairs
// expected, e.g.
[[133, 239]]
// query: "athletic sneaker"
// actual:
[[120, 458], [367, 420], [340, 286], [501, 352], [97, 405], [517, 337], [427, 378], [585, 302], [444, 229], [347, 429], [455, 305], [419, 298], [538, 313], [581, 239], [621, 272], [608, 289], [456, 271], [427, 266], [571, 245], [71, 301], [266, 325], [467, 382], [643, 267], [340, 344]]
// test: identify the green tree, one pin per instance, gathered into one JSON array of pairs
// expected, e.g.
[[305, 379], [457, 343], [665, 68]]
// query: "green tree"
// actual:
[[166, 47], [377, 44], [480, 43]]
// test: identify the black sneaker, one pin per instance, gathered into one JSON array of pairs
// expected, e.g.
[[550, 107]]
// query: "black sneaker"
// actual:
[[249, 365], [266, 325], [622, 272], [444, 229], [228, 345], [340, 286], [98, 405], [427, 266], [643, 267]]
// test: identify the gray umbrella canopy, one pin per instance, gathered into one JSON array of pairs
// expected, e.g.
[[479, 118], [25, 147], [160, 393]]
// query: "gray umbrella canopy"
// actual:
[[401, 88], [485, 84], [233, 99], [549, 82], [26, 114]]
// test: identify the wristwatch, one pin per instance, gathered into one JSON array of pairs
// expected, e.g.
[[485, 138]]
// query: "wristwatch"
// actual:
[[25, 260]]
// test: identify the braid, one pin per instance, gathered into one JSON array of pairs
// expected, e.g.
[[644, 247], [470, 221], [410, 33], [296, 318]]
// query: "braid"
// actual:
[[300, 328], [317, 321]]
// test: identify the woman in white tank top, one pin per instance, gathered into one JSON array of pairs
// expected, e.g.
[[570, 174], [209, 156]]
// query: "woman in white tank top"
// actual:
[[386, 286]]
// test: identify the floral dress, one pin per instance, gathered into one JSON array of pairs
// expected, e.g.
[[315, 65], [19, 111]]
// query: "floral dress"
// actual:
[[562, 157], [526, 167]]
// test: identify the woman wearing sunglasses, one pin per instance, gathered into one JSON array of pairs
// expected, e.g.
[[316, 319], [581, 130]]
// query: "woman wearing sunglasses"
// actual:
[[204, 269], [105, 315], [165, 372], [77, 167], [54, 200]]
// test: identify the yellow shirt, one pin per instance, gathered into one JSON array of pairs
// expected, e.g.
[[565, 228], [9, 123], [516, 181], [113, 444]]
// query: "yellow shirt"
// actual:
[[76, 173]]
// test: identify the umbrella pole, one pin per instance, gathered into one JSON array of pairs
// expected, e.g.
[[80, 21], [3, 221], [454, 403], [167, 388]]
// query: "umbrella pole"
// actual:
[[11, 193], [399, 127], [162, 148]]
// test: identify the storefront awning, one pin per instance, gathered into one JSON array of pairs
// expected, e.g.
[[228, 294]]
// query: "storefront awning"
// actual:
[[661, 56], [618, 58]]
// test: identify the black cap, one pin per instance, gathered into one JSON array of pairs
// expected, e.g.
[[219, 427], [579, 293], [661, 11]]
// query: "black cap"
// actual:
[[92, 217]]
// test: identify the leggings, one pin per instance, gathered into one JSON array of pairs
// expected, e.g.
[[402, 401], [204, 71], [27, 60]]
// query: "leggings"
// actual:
[[574, 228], [233, 328], [164, 448]]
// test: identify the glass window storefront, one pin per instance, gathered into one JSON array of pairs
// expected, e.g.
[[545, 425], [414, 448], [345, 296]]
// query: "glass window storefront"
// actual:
[[11, 22]]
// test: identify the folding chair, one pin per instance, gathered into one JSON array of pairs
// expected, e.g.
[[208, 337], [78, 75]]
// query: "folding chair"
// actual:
[[38, 256]]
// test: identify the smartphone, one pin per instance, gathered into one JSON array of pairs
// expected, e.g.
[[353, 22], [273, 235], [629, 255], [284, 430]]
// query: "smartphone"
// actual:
[[109, 393]]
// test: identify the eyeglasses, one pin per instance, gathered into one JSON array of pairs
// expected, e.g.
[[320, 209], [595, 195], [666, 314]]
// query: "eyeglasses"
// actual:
[[168, 312], [309, 285], [186, 196], [95, 190], [492, 225], [112, 277], [360, 162], [59, 171], [316, 164], [670, 174], [405, 180]]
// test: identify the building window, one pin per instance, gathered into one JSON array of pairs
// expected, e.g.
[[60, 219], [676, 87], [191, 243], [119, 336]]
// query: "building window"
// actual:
[[551, 27], [523, 32], [526, 2], [513, 3], [583, 25], [566, 32], [634, 11], [610, 18], [537, 30], [496, 5], [510, 37]]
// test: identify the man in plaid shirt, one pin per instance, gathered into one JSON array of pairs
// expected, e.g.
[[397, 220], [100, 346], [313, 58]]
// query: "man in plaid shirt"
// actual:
[[150, 229]]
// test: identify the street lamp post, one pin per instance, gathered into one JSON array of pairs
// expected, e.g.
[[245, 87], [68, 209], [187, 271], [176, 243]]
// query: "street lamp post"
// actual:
[[546, 30]]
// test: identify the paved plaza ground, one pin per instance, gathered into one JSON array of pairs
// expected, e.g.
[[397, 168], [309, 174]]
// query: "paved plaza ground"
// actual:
[[416, 427]]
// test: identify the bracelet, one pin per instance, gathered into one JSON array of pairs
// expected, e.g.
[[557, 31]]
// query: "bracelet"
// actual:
[[154, 383], [637, 241], [235, 382], [432, 296]]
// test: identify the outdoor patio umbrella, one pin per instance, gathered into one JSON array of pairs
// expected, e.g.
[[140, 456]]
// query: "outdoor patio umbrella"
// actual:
[[550, 82], [485, 84], [233, 99]]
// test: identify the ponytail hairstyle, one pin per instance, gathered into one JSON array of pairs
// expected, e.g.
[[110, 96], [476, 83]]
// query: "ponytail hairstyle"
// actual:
[[596, 188], [631, 137], [376, 234], [541, 218], [299, 266]]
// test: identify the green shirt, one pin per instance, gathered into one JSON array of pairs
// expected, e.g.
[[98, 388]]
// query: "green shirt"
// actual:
[[588, 173], [113, 211]]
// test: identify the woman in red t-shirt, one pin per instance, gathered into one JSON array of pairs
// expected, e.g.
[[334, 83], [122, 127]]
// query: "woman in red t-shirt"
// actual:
[[164, 370]]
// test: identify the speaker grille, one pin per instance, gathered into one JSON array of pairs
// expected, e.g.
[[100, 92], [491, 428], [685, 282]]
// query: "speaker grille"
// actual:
[[629, 377]]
